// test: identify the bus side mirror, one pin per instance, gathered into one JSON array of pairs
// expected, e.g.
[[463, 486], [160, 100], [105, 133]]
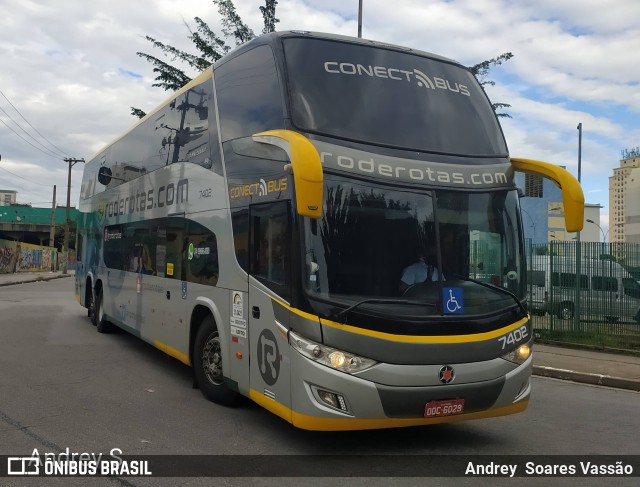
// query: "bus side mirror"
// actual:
[[104, 175], [572, 195], [306, 165]]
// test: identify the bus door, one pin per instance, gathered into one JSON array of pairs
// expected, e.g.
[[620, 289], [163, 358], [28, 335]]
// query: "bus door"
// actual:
[[164, 304], [269, 290]]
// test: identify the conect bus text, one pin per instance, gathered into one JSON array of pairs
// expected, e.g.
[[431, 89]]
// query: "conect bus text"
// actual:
[[169, 195]]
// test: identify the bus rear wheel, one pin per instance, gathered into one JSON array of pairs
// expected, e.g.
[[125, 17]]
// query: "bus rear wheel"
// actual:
[[102, 325], [91, 305], [207, 365], [566, 311]]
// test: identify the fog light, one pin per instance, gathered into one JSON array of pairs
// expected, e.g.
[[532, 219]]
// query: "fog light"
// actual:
[[332, 399]]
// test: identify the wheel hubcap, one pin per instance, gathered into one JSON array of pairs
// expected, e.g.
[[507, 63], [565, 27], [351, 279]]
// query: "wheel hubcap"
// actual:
[[212, 360]]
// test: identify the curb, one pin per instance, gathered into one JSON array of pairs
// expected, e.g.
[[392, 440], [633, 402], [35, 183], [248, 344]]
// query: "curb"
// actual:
[[40, 279], [585, 378]]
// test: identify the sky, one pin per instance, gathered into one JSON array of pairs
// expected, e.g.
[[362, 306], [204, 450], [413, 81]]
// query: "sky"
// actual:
[[70, 73]]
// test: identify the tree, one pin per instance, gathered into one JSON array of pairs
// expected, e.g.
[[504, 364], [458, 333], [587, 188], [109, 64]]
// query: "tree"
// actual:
[[59, 234], [481, 71], [210, 47]]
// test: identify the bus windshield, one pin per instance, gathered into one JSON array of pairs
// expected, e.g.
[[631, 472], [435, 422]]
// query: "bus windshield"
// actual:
[[371, 237], [389, 98]]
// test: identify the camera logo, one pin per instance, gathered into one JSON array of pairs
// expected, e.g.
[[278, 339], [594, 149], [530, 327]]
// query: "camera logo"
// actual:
[[23, 466]]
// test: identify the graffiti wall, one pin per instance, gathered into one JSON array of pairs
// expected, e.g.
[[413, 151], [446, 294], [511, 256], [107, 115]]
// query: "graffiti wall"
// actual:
[[24, 257]]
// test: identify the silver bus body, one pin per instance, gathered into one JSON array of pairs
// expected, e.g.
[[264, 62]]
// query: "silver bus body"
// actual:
[[267, 253]]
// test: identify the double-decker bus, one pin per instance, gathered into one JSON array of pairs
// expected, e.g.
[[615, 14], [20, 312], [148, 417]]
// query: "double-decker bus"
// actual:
[[260, 226]]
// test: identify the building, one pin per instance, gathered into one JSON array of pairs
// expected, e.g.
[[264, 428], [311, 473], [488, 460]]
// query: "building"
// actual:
[[7, 197], [632, 217], [31, 225], [624, 199], [543, 212]]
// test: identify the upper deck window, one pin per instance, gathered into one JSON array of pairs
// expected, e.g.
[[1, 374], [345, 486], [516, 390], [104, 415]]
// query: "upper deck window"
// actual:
[[390, 98], [248, 90]]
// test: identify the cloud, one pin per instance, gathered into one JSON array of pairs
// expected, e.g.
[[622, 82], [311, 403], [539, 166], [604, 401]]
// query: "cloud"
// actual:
[[76, 74]]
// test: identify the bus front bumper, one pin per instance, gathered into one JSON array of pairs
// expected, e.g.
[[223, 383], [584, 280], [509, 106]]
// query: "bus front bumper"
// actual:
[[325, 399]]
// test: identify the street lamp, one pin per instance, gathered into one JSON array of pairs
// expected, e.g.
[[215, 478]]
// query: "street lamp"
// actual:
[[604, 244], [604, 235], [604, 238], [533, 223]]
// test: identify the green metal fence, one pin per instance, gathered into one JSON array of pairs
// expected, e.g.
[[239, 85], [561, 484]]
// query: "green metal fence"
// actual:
[[585, 293]]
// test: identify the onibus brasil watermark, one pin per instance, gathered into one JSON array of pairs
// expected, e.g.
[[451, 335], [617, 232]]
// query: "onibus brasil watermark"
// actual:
[[71, 464]]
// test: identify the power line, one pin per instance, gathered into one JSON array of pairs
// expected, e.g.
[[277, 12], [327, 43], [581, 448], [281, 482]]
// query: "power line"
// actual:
[[50, 154], [27, 180], [61, 152]]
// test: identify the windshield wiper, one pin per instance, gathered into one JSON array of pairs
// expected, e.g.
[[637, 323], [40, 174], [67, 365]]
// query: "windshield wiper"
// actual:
[[495, 288], [344, 312]]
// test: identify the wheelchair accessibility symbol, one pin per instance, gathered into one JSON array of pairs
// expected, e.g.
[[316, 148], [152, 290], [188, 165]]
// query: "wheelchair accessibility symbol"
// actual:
[[452, 299]]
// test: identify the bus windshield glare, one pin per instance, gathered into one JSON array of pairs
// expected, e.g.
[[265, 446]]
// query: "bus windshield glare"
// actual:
[[370, 235]]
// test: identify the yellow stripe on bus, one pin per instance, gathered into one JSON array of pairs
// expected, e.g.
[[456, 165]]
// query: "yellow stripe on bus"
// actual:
[[476, 337], [271, 405], [173, 352], [315, 423]]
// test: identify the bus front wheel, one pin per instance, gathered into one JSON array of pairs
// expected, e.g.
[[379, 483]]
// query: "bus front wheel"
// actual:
[[207, 365]]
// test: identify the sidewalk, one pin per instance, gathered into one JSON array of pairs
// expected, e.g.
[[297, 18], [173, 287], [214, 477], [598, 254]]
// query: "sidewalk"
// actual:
[[23, 277], [585, 366]]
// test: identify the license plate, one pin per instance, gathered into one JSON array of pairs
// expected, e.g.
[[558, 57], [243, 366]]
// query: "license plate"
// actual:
[[447, 407]]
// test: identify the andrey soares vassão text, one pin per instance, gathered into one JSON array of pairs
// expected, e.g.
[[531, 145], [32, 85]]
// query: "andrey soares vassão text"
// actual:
[[582, 468]]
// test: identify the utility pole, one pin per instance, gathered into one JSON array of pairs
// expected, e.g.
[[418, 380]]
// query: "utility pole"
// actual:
[[578, 311], [359, 18], [72, 162], [52, 230]]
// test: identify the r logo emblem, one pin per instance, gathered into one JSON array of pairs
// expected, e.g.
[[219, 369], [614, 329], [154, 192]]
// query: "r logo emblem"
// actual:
[[268, 357], [446, 374]]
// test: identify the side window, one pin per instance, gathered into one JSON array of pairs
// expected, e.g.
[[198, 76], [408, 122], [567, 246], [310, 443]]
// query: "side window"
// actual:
[[192, 138], [131, 247], [140, 242], [80, 238], [601, 283], [631, 287], [536, 278], [113, 247], [202, 255], [171, 249], [567, 279], [248, 92], [270, 246], [240, 221]]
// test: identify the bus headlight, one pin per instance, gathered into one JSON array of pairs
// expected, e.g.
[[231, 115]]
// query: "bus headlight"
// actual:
[[331, 357], [520, 354]]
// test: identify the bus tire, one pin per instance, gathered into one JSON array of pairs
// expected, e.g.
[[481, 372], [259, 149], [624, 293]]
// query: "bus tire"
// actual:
[[565, 312], [207, 365], [91, 305], [102, 325]]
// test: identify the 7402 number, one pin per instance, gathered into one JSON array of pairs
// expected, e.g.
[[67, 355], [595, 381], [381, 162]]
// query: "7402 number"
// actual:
[[514, 337]]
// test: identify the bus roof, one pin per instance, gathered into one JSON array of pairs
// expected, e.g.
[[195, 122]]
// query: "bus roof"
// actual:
[[272, 39]]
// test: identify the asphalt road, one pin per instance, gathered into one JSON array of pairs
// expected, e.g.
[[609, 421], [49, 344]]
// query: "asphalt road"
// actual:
[[63, 385]]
